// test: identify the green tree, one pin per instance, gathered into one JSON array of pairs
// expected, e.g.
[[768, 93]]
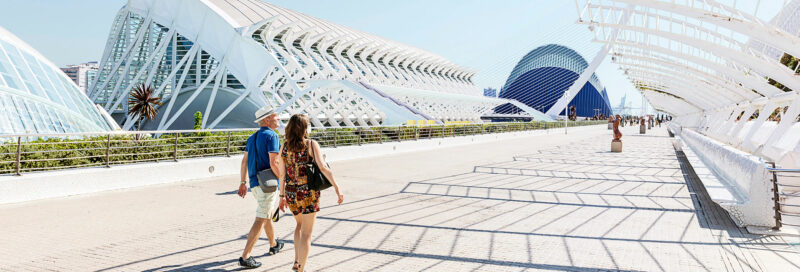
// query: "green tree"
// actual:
[[198, 120]]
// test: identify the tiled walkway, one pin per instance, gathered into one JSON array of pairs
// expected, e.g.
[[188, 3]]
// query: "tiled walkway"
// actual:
[[540, 203]]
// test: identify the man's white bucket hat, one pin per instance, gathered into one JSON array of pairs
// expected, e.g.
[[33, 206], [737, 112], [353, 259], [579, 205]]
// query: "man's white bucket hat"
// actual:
[[263, 113]]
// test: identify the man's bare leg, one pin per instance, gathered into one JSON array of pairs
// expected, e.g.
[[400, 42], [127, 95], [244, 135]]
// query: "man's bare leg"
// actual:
[[270, 232], [252, 237]]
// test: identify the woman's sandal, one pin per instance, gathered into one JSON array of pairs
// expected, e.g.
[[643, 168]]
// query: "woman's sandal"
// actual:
[[295, 266]]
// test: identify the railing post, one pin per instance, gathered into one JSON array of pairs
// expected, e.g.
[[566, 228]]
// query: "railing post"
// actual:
[[416, 133], [398, 134], [108, 150], [228, 145], [380, 136], [175, 148], [360, 132], [334, 137], [776, 198], [19, 155]]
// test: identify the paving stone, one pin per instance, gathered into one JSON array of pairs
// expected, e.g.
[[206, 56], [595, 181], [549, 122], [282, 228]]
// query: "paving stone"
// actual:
[[535, 204]]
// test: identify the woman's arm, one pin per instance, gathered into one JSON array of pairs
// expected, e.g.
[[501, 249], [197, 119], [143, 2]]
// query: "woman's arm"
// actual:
[[321, 162], [281, 179], [325, 169]]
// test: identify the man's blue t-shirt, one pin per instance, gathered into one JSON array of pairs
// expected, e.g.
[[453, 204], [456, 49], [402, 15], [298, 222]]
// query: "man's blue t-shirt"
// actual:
[[258, 152]]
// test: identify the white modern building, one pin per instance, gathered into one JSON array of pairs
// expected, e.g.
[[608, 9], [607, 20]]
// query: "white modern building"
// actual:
[[82, 74], [36, 97], [227, 58]]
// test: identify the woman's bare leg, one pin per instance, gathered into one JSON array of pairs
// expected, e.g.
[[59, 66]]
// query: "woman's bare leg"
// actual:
[[306, 228], [297, 243]]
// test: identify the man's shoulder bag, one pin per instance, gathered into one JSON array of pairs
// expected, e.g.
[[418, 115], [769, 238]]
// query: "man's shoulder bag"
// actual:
[[266, 178]]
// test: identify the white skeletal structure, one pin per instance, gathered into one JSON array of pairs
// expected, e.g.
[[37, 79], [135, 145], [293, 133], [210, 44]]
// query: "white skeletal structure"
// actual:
[[707, 63], [226, 58]]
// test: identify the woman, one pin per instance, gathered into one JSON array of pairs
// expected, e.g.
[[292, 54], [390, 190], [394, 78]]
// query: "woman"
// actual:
[[296, 151]]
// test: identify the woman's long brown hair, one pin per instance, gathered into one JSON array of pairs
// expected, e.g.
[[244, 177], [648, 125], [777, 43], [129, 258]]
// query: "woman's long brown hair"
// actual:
[[297, 133]]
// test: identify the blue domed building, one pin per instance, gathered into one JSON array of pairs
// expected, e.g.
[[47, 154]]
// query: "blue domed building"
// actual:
[[542, 77]]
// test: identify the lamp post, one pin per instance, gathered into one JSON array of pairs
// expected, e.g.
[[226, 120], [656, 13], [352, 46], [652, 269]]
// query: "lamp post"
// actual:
[[566, 111]]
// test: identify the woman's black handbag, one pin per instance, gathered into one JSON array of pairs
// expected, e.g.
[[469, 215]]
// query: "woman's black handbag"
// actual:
[[316, 180]]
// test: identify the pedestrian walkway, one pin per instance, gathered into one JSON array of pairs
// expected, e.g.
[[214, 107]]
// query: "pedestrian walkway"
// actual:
[[550, 202]]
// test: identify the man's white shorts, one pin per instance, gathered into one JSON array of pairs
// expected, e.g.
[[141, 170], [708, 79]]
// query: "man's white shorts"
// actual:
[[267, 202]]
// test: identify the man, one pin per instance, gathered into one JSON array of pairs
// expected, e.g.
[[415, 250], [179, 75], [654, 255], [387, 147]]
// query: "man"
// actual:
[[261, 152]]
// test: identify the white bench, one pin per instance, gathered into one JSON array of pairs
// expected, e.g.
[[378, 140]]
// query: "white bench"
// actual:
[[717, 190], [674, 129], [735, 180]]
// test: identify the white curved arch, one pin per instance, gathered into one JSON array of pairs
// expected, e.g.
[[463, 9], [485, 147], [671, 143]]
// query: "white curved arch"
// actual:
[[717, 58]]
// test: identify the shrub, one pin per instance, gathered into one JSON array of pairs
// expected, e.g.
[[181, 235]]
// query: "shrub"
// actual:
[[71, 152]]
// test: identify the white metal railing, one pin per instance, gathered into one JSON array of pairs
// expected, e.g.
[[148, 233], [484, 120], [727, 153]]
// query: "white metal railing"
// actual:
[[52, 151], [786, 195]]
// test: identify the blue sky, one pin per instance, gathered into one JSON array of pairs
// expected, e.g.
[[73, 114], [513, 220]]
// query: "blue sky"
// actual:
[[488, 36]]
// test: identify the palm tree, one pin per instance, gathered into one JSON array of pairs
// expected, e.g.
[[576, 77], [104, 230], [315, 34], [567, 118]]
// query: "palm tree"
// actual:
[[143, 104]]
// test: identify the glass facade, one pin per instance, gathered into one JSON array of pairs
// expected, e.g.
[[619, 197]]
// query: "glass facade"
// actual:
[[36, 97]]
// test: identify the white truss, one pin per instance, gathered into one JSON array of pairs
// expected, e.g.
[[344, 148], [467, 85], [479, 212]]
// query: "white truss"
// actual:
[[706, 63], [226, 58]]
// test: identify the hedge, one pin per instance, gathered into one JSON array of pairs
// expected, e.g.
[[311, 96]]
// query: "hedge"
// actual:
[[58, 153]]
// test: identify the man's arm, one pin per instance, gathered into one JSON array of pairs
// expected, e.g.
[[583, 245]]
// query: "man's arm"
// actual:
[[273, 147], [243, 170], [243, 174], [276, 164]]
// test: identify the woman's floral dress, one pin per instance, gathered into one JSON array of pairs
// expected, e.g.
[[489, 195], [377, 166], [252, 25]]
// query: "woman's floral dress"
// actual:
[[300, 198]]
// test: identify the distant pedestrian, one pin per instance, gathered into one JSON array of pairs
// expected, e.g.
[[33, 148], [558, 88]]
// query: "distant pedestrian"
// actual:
[[303, 201], [261, 152]]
